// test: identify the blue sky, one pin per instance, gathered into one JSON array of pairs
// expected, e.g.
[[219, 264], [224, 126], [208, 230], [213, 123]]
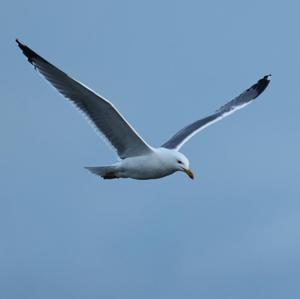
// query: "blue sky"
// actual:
[[233, 232]]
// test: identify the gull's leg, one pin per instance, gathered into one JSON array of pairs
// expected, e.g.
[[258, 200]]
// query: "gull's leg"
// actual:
[[106, 172], [110, 175]]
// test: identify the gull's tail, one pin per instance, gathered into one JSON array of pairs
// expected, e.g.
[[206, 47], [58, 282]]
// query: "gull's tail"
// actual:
[[106, 172]]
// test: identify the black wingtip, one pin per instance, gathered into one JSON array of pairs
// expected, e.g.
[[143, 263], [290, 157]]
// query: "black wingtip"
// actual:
[[27, 51], [20, 45], [262, 84]]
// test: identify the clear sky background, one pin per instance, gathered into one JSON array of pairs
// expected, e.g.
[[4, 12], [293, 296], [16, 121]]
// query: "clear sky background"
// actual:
[[233, 232]]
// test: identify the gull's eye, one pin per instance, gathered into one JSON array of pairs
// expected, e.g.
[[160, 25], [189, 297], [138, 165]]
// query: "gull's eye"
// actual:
[[178, 161]]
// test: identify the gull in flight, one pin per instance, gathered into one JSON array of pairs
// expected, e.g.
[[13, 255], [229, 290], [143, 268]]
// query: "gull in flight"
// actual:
[[138, 160]]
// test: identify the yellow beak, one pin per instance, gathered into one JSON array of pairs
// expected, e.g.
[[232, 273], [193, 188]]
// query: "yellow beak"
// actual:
[[189, 173]]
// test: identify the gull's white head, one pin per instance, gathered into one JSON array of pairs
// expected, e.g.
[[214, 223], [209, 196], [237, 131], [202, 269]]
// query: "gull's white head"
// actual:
[[175, 161], [182, 163]]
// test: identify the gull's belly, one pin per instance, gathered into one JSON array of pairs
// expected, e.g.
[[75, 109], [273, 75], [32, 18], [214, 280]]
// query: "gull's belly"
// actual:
[[144, 167]]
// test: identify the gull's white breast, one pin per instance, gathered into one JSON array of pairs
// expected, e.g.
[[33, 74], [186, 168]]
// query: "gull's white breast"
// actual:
[[154, 165]]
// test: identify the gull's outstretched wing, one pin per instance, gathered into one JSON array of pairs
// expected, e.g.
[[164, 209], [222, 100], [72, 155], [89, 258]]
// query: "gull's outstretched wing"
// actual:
[[103, 114], [239, 102]]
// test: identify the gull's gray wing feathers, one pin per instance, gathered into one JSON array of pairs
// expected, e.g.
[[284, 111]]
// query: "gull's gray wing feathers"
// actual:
[[102, 113], [239, 102]]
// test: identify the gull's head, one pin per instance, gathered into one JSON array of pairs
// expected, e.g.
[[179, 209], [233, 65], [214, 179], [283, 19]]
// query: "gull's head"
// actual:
[[172, 161], [182, 163]]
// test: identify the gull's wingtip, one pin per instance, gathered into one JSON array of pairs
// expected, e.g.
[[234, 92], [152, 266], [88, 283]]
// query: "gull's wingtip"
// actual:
[[26, 51], [20, 45], [262, 84]]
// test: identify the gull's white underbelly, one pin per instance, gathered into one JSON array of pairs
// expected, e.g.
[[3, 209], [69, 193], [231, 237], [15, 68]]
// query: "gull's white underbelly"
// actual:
[[144, 167]]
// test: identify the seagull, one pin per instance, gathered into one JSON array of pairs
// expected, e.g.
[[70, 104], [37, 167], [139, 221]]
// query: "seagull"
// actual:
[[138, 160]]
